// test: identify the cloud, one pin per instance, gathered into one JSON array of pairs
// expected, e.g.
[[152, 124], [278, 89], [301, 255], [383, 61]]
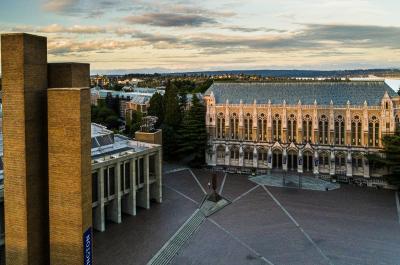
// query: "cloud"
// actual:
[[60, 6], [170, 20], [354, 35], [55, 28], [256, 29], [62, 47]]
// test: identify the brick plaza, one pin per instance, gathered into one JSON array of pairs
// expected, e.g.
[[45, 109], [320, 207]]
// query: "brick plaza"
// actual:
[[262, 225]]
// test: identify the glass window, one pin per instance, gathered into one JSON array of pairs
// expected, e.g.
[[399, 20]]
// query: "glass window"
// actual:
[[94, 187], [111, 172], [105, 177], [127, 175]]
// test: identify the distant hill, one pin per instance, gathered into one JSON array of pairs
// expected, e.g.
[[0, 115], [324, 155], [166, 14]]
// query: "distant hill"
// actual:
[[299, 73]]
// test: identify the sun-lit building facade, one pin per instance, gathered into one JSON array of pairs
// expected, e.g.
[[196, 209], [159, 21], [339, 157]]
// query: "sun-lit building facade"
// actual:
[[321, 128]]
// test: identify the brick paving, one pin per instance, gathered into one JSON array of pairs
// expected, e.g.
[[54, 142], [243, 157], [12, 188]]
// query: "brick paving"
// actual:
[[350, 225]]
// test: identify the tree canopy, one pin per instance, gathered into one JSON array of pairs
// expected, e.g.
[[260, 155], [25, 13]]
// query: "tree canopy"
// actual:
[[389, 158]]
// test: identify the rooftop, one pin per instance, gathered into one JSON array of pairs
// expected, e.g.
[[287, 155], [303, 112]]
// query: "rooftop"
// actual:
[[306, 92], [104, 143]]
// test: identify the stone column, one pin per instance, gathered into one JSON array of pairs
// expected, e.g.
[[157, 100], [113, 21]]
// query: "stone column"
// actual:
[[143, 195], [332, 164], [129, 200], [24, 81], [114, 208], [366, 168], [213, 161], [349, 165], [99, 213], [269, 158], [255, 157], [284, 160], [241, 156], [300, 162], [316, 162], [70, 180], [227, 155], [156, 188]]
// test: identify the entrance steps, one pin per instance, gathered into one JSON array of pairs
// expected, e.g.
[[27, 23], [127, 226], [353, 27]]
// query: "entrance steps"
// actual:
[[177, 241]]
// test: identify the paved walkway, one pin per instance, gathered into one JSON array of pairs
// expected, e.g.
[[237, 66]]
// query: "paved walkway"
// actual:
[[262, 225]]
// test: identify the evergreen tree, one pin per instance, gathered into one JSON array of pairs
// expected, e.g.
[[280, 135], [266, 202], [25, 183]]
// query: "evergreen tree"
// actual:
[[182, 101], [192, 137], [172, 120], [156, 108], [172, 112], [390, 158]]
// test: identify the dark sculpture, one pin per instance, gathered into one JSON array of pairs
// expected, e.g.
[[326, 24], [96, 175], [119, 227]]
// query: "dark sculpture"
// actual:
[[213, 196]]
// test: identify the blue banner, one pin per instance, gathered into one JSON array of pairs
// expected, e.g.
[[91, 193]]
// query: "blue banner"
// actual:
[[87, 247]]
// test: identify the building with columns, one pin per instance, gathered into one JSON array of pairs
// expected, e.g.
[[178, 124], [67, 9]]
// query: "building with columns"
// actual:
[[125, 174], [321, 128]]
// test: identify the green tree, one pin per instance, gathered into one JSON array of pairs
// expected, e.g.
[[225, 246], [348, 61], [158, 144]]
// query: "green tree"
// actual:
[[172, 112], [101, 114], [389, 158], [156, 108], [192, 136], [182, 101]]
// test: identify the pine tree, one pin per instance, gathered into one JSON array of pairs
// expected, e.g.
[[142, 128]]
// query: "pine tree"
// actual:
[[172, 112], [390, 158], [156, 108], [191, 137]]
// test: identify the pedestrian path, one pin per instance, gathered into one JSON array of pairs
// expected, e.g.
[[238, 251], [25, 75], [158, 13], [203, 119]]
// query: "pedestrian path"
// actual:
[[178, 240]]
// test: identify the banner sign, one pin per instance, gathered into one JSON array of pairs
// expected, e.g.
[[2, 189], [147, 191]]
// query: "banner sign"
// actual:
[[87, 247]]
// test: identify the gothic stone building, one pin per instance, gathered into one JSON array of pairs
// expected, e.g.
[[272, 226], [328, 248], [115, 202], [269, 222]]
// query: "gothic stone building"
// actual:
[[321, 128]]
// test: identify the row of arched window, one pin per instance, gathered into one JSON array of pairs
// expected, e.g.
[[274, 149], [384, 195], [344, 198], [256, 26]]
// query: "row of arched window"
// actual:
[[276, 130], [324, 159]]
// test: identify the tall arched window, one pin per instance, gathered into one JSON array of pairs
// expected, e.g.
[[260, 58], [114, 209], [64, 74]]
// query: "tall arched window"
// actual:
[[357, 163], [234, 126], [323, 129], [340, 162], [248, 154], [307, 128], [220, 126], [248, 127], [397, 121], [262, 156], [291, 126], [262, 127], [356, 130], [373, 131], [324, 161], [276, 128], [235, 153], [339, 130], [220, 154]]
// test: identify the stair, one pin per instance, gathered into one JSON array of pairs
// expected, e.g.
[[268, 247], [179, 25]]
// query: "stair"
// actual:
[[175, 243]]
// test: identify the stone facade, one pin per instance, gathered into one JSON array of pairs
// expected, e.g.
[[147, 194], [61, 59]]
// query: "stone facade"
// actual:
[[305, 138], [24, 78]]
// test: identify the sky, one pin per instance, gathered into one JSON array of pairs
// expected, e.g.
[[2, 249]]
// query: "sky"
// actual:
[[185, 35]]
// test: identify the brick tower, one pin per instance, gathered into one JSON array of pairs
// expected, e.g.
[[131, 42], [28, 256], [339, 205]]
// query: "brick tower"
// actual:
[[24, 71], [47, 161]]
